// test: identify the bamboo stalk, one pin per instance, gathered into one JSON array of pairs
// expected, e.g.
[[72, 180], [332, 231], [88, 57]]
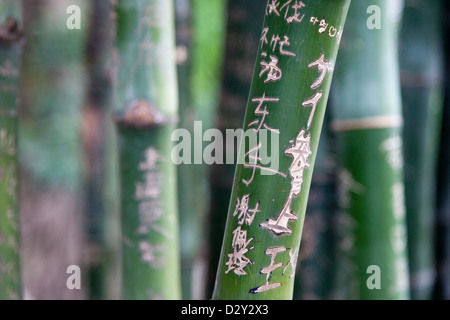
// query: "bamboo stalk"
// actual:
[[422, 94], [10, 54], [201, 33], [290, 88], [146, 109], [367, 119], [442, 290], [243, 27]]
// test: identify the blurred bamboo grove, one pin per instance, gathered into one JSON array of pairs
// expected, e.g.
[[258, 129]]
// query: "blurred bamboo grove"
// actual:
[[92, 205]]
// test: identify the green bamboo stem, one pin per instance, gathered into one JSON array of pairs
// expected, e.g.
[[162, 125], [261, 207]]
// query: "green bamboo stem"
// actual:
[[291, 82], [422, 94], [367, 120], [10, 54], [146, 110], [201, 36], [243, 26]]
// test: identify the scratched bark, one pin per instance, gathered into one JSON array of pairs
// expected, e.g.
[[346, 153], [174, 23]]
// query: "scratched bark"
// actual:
[[291, 81], [10, 52], [368, 123], [422, 94], [146, 109]]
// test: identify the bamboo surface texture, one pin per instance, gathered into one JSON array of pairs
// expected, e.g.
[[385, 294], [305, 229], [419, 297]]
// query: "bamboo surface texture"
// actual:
[[146, 111], [10, 53], [421, 67], [367, 119], [292, 76]]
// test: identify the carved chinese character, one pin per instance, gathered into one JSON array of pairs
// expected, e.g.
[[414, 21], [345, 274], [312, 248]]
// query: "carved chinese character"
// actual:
[[254, 157], [283, 43], [313, 101], [272, 252], [237, 260], [323, 66], [271, 68], [263, 113], [244, 213], [153, 254], [300, 151], [296, 16], [272, 7]]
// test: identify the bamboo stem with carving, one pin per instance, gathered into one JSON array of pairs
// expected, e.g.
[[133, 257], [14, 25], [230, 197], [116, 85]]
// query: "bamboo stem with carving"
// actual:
[[146, 108], [292, 77], [10, 54], [367, 120]]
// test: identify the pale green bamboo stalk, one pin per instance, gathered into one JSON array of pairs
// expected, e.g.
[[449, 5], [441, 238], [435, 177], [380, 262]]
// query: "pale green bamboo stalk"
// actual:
[[422, 94], [146, 109], [367, 119], [10, 54], [202, 36]]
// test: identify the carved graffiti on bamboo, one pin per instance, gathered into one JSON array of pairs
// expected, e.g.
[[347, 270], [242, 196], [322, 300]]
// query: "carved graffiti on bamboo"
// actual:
[[333, 32], [7, 143], [270, 67], [154, 255], [323, 67], [274, 42], [237, 261], [148, 49], [255, 163], [292, 10], [273, 252], [7, 173], [300, 151], [150, 209], [243, 211], [263, 113]]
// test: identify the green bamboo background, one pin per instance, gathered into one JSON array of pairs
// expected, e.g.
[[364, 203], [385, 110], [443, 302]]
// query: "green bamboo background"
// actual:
[[11, 27], [86, 172]]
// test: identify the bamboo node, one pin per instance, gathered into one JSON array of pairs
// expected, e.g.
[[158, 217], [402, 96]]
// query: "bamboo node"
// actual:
[[141, 113], [10, 32]]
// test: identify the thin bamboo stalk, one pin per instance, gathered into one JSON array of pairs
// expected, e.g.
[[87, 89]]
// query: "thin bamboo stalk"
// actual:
[[367, 119], [146, 110], [422, 94], [10, 54], [202, 31], [298, 47], [243, 27]]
